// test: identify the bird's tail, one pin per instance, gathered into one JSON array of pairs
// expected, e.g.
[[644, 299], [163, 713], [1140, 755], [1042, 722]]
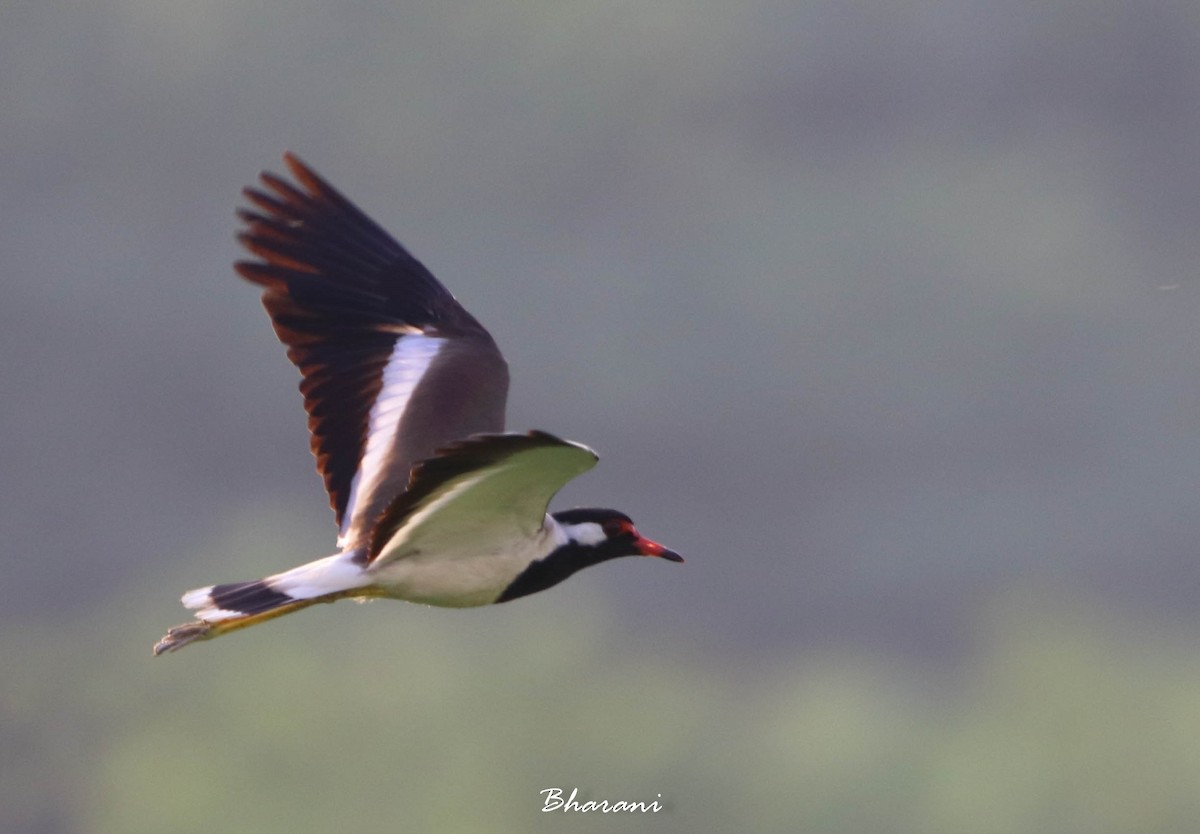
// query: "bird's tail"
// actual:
[[224, 608]]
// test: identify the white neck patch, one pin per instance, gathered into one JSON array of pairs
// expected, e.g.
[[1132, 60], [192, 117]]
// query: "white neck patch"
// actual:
[[588, 533]]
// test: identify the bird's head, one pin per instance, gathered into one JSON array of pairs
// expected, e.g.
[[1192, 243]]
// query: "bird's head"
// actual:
[[610, 534]]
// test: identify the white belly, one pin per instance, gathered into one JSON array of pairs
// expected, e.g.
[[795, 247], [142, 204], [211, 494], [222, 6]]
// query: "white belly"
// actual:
[[455, 580]]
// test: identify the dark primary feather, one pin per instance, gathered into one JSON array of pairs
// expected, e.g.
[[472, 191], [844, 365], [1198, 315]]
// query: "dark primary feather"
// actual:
[[341, 292]]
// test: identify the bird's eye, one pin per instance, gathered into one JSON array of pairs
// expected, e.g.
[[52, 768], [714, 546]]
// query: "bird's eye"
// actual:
[[618, 527]]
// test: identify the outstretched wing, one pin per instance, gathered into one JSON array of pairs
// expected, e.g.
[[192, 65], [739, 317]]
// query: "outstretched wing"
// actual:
[[392, 366], [487, 488]]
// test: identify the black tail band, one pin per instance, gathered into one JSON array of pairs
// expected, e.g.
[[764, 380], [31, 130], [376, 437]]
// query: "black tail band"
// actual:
[[248, 597]]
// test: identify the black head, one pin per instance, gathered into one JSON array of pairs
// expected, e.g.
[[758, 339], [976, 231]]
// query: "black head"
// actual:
[[610, 533], [593, 536]]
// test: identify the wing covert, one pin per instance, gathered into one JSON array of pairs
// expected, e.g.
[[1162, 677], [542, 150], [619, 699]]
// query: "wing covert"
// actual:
[[487, 488]]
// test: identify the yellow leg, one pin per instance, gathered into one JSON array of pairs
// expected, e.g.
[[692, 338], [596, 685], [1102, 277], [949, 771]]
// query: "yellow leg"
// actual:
[[183, 635]]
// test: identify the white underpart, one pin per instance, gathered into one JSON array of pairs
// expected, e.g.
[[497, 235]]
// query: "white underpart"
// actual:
[[466, 579], [410, 358]]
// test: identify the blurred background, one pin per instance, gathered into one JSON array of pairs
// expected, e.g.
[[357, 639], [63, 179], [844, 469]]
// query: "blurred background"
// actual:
[[885, 315]]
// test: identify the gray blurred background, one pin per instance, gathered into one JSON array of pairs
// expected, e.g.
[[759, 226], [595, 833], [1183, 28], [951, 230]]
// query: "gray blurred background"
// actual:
[[883, 314]]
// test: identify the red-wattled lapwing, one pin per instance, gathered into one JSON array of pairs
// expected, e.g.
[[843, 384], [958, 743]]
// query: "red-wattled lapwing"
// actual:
[[405, 396]]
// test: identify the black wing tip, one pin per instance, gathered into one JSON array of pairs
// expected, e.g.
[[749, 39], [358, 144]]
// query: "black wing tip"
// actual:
[[298, 167], [292, 160], [304, 218], [304, 174], [304, 223], [276, 192]]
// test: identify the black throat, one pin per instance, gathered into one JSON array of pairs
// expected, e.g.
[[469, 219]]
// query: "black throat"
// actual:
[[557, 566]]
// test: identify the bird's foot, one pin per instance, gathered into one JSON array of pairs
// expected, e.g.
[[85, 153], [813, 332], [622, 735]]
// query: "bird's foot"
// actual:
[[181, 635]]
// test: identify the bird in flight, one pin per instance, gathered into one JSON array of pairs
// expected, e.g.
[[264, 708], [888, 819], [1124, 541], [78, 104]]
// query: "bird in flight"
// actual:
[[405, 394]]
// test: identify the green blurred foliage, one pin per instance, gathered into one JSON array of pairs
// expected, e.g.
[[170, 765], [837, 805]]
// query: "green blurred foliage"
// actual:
[[392, 717]]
